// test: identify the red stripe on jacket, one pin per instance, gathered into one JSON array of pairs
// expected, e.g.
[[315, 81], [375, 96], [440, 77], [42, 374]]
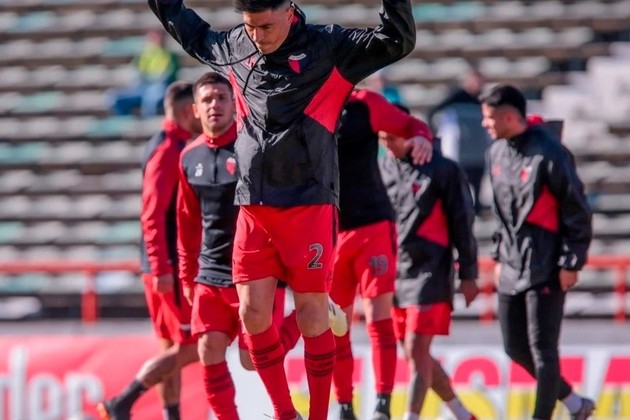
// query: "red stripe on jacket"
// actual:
[[325, 107], [544, 212], [159, 190], [189, 226], [435, 227]]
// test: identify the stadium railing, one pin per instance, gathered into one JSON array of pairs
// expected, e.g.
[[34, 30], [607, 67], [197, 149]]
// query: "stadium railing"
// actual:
[[619, 264]]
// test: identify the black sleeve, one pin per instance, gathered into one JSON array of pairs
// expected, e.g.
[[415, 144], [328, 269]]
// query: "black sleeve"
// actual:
[[460, 213], [192, 32], [361, 52], [575, 215]]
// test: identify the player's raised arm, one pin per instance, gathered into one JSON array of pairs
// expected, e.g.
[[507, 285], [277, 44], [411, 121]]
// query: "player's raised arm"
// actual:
[[192, 32], [362, 52]]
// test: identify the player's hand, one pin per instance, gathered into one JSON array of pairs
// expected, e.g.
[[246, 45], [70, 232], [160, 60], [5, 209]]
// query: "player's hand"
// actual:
[[163, 283], [421, 150], [469, 289], [189, 292], [568, 279]]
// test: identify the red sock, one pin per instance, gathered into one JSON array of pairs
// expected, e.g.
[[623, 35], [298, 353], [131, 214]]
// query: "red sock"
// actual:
[[319, 362], [344, 369], [289, 332], [220, 391], [267, 355], [383, 354]]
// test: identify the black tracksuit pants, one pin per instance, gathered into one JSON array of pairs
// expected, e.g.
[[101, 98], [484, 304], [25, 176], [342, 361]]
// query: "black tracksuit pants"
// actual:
[[530, 325]]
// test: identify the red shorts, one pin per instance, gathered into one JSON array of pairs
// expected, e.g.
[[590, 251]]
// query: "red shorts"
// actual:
[[365, 258], [216, 309], [295, 244], [170, 312], [431, 319]]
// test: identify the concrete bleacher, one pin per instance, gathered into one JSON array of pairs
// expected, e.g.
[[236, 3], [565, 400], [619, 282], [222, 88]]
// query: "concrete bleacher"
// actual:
[[70, 172]]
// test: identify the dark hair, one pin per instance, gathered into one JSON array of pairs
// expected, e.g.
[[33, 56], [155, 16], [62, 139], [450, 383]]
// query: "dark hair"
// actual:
[[502, 95], [176, 92], [211, 78], [256, 6]]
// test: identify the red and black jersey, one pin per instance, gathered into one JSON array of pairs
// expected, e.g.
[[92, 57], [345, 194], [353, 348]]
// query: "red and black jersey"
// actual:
[[158, 250], [363, 199], [206, 214], [288, 102], [435, 215], [544, 218]]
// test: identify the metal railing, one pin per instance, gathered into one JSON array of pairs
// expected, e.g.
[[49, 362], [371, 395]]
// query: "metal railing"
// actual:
[[619, 264]]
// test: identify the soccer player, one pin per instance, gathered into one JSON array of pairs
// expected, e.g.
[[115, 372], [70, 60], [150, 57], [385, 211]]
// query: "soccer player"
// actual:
[[170, 312], [206, 217], [541, 243], [365, 257], [291, 80], [434, 217]]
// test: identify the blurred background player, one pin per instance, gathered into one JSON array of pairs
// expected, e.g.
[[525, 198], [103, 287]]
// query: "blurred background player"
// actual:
[[365, 257], [291, 80], [457, 121], [434, 217], [541, 243], [206, 218], [155, 68], [169, 310]]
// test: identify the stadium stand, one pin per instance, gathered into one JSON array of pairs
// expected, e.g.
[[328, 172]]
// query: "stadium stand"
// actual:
[[69, 172]]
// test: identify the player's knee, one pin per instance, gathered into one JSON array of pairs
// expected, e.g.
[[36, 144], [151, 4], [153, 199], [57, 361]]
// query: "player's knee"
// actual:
[[255, 319], [312, 319], [518, 354], [187, 354]]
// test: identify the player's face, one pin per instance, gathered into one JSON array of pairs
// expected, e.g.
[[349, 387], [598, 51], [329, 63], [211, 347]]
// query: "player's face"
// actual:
[[397, 146], [495, 121], [268, 29], [214, 106]]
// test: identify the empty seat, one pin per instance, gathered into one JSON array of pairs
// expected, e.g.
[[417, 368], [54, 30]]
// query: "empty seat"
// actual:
[[14, 181], [121, 232], [9, 231]]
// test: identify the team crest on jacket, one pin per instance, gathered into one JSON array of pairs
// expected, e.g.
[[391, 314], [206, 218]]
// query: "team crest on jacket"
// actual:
[[525, 173], [230, 165], [294, 62], [419, 186]]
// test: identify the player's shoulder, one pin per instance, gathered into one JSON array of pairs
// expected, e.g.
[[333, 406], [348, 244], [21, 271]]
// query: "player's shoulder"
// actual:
[[193, 147]]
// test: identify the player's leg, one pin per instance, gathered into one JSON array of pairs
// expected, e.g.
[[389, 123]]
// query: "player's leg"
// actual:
[[376, 266], [383, 343], [545, 308], [215, 319], [441, 385], [512, 315], [343, 291], [286, 325], [308, 259], [256, 269], [164, 371], [417, 350]]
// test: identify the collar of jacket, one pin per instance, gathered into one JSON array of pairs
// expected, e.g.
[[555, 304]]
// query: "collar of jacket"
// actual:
[[223, 139], [520, 139], [175, 131]]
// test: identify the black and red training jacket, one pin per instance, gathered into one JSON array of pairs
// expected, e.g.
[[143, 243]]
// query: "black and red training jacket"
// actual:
[[544, 218], [288, 102]]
